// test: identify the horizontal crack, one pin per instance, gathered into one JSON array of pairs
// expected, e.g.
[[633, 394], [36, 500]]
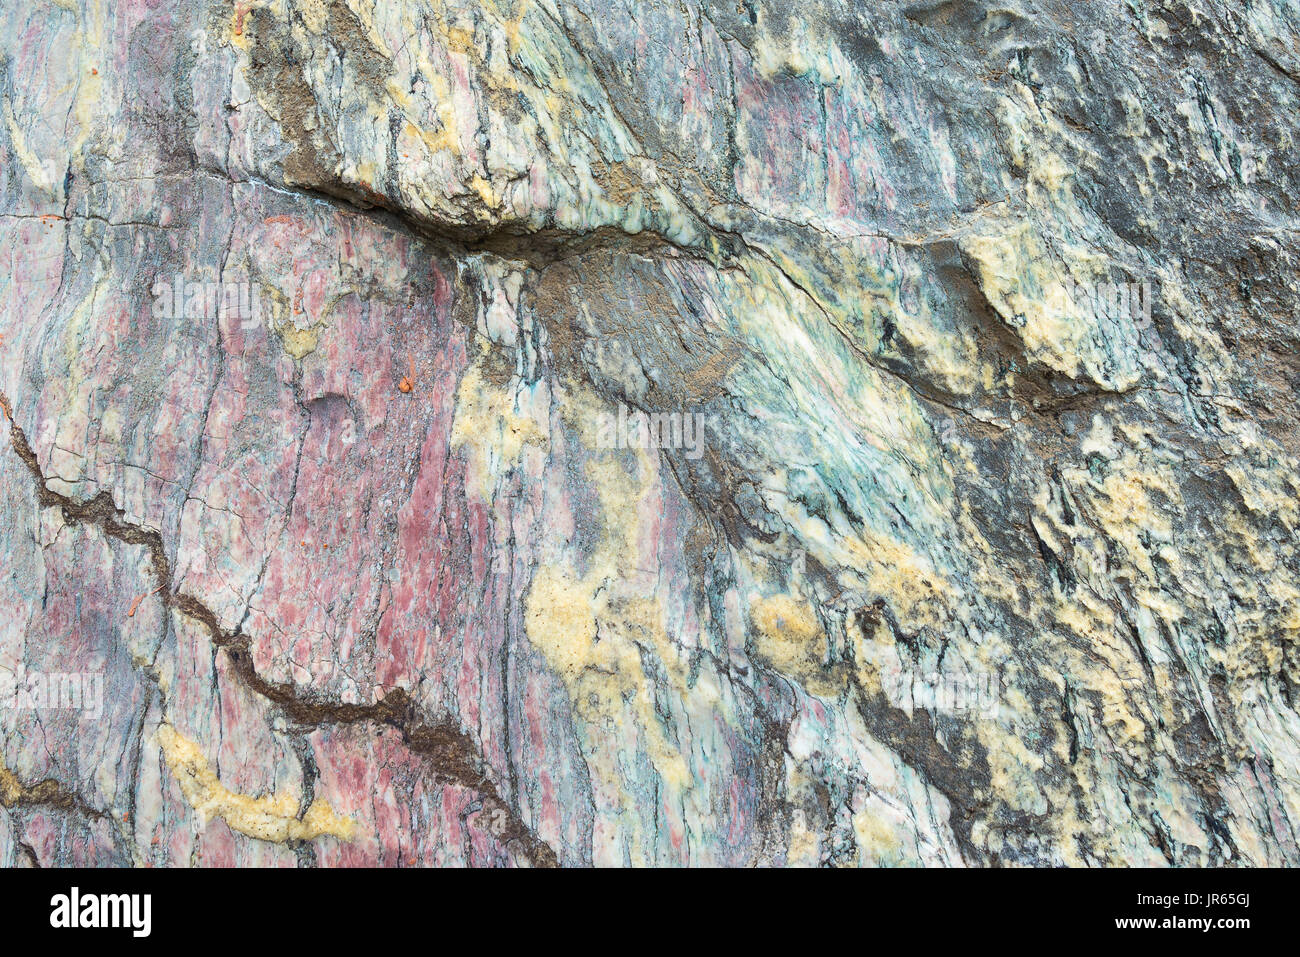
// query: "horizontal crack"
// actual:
[[510, 240]]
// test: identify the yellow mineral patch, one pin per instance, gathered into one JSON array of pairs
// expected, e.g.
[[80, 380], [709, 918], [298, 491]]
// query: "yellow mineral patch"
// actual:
[[804, 51], [11, 788], [300, 343], [515, 24], [41, 174], [603, 631], [561, 621], [87, 104], [494, 423], [896, 572], [272, 818], [1015, 274], [1122, 503], [484, 190], [804, 849], [1027, 282], [592, 642], [1012, 767], [787, 619], [949, 356], [878, 840], [445, 138], [1050, 172], [1267, 492], [298, 337], [314, 14], [789, 638], [1030, 132]]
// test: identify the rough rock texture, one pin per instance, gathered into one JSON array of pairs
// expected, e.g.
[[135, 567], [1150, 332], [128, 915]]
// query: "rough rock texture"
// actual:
[[364, 583]]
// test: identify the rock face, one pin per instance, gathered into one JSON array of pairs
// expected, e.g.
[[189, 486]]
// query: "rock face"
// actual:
[[521, 432]]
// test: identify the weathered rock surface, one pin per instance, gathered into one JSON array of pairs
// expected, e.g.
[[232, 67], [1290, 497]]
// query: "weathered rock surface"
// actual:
[[963, 569]]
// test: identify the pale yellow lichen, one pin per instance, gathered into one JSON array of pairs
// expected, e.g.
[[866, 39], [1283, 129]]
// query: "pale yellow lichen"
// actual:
[[789, 638], [274, 818], [493, 425], [880, 836]]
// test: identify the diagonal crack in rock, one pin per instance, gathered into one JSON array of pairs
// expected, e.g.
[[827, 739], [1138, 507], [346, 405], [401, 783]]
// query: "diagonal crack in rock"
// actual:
[[451, 753]]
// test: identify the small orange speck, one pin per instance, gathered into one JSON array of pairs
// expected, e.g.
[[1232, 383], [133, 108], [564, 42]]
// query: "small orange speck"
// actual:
[[94, 72], [135, 605]]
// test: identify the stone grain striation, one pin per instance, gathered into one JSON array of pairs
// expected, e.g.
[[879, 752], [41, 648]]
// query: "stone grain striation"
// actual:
[[966, 570]]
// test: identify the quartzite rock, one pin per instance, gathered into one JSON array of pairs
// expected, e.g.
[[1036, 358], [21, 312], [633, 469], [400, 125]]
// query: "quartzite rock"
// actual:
[[317, 317]]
